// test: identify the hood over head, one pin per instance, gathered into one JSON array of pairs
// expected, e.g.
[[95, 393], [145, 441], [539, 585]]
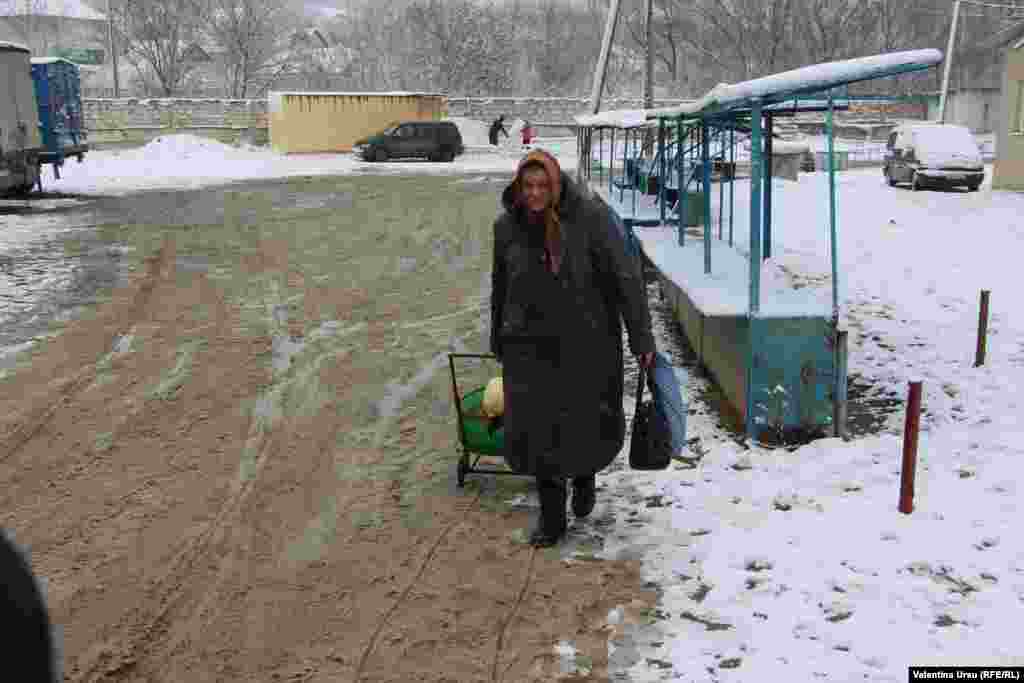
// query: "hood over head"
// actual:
[[563, 188]]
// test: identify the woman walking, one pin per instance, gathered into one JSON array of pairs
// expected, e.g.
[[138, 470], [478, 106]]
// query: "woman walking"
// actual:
[[562, 283]]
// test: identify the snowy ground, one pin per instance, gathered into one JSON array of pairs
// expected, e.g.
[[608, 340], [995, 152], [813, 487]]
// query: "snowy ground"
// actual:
[[796, 566], [188, 161]]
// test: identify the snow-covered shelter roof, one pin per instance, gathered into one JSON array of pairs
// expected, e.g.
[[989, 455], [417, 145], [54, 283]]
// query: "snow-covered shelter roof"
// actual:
[[71, 9], [52, 60], [778, 91], [807, 80]]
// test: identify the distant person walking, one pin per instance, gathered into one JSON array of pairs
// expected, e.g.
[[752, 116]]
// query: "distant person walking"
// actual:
[[496, 127]]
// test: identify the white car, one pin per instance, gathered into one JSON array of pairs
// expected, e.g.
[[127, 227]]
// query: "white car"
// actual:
[[933, 154]]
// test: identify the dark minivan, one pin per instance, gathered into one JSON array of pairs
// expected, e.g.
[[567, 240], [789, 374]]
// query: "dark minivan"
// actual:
[[431, 140]]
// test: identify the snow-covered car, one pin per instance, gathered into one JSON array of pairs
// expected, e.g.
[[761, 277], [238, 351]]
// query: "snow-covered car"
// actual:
[[935, 154]]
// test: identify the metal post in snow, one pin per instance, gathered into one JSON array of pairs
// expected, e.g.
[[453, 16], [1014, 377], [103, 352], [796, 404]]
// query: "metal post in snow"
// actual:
[[839, 406], [979, 354], [754, 306], [832, 210], [769, 162], [705, 153], [911, 427]]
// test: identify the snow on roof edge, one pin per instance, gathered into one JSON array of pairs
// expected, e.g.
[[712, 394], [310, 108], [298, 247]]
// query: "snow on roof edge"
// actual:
[[52, 60], [283, 93], [5, 45], [821, 76]]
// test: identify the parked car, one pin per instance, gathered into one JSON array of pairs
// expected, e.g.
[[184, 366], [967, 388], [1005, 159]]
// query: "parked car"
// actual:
[[933, 154], [432, 140]]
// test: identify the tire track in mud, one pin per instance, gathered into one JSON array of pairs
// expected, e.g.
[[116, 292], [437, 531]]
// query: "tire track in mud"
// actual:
[[495, 677], [70, 388], [170, 589], [462, 511]]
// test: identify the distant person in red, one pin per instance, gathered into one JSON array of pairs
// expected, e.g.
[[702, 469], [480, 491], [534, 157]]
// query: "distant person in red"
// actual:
[[528, 134]]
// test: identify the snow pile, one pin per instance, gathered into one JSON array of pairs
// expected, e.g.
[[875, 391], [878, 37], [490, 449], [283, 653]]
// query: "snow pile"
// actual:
[[182, 147], [189, 161]]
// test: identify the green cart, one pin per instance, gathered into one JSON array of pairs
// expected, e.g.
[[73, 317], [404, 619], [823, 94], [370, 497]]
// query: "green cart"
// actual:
[[479, 435]]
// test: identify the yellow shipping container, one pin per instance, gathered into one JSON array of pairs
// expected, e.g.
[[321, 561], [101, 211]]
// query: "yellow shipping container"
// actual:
[[333, 121]]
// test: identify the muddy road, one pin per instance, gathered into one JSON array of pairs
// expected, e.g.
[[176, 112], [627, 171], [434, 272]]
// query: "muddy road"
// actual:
[[230, 451]]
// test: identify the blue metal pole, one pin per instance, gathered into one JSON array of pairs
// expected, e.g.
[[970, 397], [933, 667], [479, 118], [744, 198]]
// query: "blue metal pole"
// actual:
[[684, 203], [769, 160], [756, 210], [705, 154], [680, 202], [732, 179], [611, 164], [661, 168], [832, 212], [625, 167], [721, 183], [635, 182]]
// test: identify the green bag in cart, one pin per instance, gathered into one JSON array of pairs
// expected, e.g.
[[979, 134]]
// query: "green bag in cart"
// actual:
[[481, 434]]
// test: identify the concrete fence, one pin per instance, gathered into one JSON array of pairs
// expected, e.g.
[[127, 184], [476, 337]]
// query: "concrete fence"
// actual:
[[136, 121]]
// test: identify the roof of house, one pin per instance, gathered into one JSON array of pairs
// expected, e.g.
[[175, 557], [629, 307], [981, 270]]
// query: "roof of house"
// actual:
[[1012, 36], [71, 9], [18, 47], [10, 34]]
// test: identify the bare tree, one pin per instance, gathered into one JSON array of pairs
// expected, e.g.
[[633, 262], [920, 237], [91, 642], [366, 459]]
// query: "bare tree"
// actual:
[[468, 46], [156, 36], [250, 35]]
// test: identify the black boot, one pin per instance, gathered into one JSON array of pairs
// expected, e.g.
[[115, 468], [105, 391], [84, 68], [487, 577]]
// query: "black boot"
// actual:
[[553, 519], [584, 495]]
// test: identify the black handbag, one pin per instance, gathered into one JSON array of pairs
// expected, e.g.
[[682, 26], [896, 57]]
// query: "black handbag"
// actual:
[[650, 447]]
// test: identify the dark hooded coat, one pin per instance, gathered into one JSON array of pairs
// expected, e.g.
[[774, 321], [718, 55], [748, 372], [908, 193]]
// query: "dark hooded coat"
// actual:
[[559, 337]]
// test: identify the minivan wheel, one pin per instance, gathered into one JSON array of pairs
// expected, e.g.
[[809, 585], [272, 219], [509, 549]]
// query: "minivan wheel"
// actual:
[[380, 154], [973, 187], [449, 156]]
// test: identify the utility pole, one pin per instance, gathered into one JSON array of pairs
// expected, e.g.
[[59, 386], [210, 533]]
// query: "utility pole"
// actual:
[[113, 52], [649, 72], [602, 61], [949, 62]]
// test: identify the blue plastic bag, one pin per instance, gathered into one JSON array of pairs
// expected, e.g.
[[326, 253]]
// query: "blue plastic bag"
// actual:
[[669, 400]]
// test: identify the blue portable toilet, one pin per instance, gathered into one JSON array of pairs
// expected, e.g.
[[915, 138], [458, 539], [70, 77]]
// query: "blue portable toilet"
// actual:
[[59, 100]]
